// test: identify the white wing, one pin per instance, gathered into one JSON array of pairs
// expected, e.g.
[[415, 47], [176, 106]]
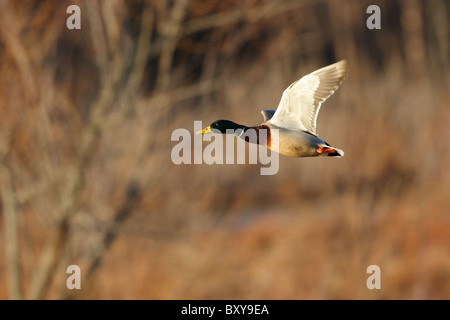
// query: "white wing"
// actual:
[[301, 101]]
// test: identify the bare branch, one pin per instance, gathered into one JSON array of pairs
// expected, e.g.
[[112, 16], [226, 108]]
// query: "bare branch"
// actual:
[[133, 194], [172, 32], [11, 228], [251, 15], [11, 36]]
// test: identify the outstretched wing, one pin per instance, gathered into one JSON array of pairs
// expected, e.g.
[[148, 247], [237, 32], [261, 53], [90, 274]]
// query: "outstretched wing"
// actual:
[[301, 101]]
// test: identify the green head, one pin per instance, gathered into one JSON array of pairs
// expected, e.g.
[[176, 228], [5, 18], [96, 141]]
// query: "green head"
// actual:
[[222, 126]]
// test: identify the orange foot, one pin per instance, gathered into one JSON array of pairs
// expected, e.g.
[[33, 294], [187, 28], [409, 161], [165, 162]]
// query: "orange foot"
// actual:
[[325, 150]]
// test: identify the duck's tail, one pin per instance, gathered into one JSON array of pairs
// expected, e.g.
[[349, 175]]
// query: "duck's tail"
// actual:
[[329, 151], [337, 153]]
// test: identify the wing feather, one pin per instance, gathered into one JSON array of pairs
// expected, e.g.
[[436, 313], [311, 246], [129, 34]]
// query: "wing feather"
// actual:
[[301, 101]]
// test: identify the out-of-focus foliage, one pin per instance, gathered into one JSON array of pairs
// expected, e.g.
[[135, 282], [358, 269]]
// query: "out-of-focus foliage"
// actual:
[[86, 176]]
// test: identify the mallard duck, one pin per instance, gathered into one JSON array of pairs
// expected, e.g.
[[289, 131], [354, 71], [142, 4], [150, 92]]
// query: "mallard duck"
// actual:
[[296, 115]]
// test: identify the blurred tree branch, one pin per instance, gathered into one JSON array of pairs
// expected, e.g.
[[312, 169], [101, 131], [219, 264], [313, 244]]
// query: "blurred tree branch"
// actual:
[[10, 31], [252, 15], [111, 71], [10, 222], [170, 33], [110, 234]]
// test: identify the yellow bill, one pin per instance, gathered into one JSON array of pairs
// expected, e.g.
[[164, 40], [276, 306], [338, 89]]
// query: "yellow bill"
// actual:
[[206, 130]]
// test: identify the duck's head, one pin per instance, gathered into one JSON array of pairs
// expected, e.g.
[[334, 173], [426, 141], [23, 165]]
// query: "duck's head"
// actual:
[[222, 126]]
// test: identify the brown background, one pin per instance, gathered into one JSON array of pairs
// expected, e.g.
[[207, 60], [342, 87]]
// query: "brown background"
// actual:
[[86, 176]]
